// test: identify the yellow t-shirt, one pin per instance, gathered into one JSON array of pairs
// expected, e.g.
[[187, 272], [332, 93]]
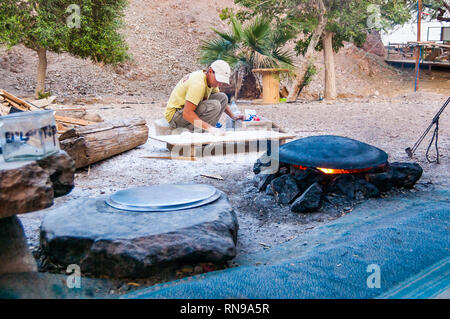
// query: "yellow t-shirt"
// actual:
[[193, 88]]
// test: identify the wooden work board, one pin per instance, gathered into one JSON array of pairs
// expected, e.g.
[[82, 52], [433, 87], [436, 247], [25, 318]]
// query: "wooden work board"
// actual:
[[190, 144]]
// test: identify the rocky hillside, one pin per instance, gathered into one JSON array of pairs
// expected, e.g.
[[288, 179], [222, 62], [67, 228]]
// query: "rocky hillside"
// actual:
[[163, 37]]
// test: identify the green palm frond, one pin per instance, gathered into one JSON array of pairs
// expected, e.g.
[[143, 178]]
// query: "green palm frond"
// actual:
[[256, 34], [215, 49], [227, 36], [256, 45], [280, 38], [284, 57], [236, 28]]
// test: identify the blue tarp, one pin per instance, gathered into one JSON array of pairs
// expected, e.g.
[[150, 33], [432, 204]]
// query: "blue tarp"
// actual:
[[406, 238]]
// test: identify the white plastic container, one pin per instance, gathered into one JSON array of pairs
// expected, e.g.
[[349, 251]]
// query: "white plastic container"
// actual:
[[231, 124], [28, 135]]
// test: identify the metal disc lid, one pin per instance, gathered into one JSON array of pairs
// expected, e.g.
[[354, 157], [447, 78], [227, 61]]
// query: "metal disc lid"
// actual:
[[330, 151], [163, 198]]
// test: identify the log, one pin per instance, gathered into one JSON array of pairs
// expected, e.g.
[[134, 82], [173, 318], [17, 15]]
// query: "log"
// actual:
[[93, 143]]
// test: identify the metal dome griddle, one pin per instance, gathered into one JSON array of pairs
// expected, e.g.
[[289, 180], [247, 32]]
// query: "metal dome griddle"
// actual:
[[334, 152], [163, 198]]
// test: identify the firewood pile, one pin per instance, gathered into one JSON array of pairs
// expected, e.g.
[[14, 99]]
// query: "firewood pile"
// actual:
[[66, 117]]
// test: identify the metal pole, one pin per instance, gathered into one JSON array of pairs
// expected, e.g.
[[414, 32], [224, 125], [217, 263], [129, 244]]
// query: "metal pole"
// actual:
[[419, 20]]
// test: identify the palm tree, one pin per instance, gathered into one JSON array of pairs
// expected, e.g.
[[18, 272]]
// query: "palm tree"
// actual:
[[256, 45]]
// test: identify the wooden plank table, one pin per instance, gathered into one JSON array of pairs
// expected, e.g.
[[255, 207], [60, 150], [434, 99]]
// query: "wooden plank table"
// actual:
[[193, 141]]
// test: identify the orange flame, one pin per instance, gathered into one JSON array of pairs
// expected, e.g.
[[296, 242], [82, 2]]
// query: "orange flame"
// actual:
[[332, 171]]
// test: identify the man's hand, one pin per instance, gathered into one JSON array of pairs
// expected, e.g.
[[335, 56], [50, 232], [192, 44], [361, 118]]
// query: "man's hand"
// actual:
[[239, 117], [215, 131]]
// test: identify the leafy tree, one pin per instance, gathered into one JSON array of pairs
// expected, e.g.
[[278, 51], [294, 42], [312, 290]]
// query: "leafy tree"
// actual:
[[245, 47], [83, 28], [325, 25], [438, 9]]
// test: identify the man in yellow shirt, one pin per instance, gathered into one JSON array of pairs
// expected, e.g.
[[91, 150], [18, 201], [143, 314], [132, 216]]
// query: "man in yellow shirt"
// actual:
[[196, 99]]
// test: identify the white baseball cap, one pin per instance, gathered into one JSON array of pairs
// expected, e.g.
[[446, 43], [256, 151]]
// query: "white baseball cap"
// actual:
[[222, 71]]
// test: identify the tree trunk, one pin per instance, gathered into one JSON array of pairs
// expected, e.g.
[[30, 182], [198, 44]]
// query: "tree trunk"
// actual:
[[41, 71], [96, 142], [330, 74], [240, 73], [315, 38]]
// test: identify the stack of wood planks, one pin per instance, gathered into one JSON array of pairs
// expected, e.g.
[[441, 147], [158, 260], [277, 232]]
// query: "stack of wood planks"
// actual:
[[8, 101], [11, 103]]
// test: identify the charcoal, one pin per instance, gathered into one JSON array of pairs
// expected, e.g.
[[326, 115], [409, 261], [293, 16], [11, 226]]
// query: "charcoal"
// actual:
[[306, 178], [284, 189], [343, 184], [262, 180], [309, 201], [366, 189], [405, 174], [383, 181]]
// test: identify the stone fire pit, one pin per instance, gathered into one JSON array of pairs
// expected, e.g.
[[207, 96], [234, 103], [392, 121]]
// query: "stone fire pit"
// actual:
[[326, 168], [104, 240]]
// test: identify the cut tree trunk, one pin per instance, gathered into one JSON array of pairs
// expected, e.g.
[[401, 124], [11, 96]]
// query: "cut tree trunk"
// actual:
[[93, 143], [41, 71], [330, 74], [308, 57]]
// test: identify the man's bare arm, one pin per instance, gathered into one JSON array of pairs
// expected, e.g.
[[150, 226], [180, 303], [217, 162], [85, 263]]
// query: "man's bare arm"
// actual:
[[230, 114], [192, 117]]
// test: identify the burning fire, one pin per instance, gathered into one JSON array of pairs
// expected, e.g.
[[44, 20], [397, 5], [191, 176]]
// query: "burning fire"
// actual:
[[343, 171], [332, 171]]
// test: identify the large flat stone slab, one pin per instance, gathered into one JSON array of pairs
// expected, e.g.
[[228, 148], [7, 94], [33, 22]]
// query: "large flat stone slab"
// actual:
[[106, 241]]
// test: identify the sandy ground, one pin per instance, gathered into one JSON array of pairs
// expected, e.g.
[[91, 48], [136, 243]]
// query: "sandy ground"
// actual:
[[375, 106], [391, 124]]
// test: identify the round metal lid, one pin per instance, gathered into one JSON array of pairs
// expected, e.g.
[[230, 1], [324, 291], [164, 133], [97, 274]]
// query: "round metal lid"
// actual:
[[163, 198], [329, 151]]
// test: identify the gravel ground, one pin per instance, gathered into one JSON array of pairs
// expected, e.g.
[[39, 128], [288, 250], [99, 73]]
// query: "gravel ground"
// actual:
[[163, 37], [391, 124]]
